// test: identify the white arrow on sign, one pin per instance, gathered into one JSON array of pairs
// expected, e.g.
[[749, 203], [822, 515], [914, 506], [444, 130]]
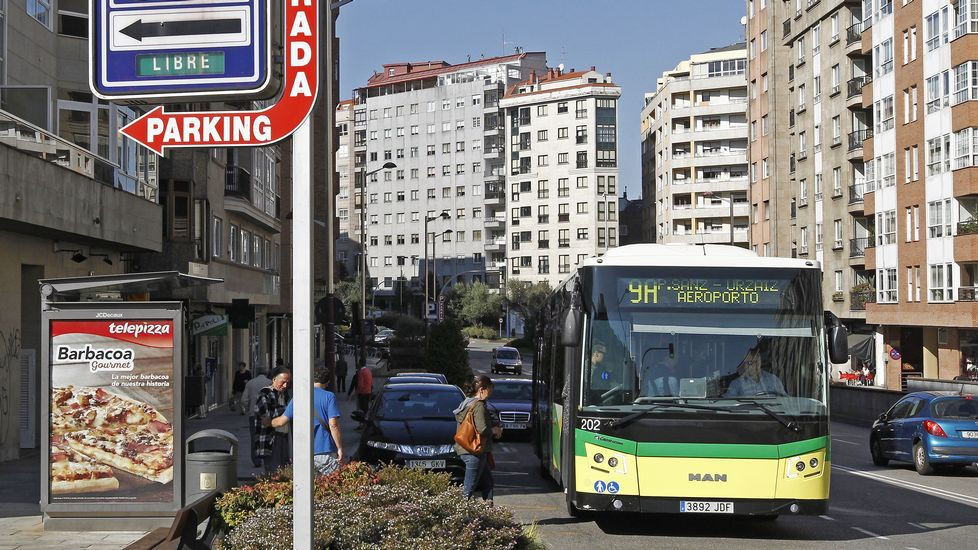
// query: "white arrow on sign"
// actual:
[[177, 28]]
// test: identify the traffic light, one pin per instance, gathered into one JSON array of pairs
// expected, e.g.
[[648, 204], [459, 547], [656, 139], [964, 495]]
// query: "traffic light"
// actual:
[[356, 327], [322, 310], [240, 314]]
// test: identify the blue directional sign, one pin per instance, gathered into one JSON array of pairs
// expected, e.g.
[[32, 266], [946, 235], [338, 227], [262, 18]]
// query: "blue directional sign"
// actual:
[[160, 49]]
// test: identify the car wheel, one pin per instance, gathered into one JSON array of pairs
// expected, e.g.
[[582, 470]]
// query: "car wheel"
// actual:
[[920, 462], [876, 450]]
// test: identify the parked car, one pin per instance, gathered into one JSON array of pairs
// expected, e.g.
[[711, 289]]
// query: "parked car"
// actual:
[[412, 425], [929, 429], [441, 377], [506, 359], [512, 400], [419, 379]]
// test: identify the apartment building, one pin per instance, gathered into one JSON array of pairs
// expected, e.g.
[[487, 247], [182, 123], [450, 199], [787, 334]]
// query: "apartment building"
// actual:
[[562, 200], [807, 172], [76, 198], [695, 123], [441, 125], [347, 239], [921, 200]]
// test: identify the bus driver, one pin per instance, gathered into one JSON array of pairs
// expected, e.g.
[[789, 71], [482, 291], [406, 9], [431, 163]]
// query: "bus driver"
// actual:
[[753, 380]]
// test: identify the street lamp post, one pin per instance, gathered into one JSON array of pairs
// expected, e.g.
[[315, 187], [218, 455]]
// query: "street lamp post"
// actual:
[[434, 266], [363, 256], [424, 308]]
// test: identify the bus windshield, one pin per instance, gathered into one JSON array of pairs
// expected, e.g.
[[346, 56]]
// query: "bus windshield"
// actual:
[[717, 335]]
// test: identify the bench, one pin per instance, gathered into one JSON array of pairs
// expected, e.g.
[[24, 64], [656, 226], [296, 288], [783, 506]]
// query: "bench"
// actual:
[[182, 534]]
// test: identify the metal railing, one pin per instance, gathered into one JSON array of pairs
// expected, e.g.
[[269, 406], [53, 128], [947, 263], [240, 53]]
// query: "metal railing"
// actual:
[[237, 182], [859, 298], [857, 138], [854, 33], [854, 86], [857, 247], [856, 193]]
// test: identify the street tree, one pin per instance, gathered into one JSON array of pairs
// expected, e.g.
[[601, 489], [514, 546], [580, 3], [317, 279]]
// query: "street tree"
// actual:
[[348, 291], [474, 304], [526, 299]]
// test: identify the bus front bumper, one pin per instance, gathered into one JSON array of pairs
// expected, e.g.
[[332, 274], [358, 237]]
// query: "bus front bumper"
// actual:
[[669, 505]]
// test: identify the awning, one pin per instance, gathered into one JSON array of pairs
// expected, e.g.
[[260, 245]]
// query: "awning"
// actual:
[[862, 346], [161, 284]]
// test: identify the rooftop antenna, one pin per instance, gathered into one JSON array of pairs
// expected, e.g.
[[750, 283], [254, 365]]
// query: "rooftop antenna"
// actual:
[[505, 43], [743, 26]]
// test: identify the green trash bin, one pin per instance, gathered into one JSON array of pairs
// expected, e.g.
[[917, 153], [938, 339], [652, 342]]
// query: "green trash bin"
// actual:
[[210, 470]]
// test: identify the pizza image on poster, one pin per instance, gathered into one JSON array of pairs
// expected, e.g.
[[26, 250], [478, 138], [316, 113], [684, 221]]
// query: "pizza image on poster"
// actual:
[[111, 411]]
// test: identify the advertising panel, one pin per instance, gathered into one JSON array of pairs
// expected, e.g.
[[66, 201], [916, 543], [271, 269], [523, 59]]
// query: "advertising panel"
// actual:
[[113, 383]]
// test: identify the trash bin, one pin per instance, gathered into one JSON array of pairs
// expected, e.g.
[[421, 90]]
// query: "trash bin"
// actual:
[[210, 470]]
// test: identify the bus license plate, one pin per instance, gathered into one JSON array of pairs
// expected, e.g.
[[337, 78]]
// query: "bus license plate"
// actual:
[[706, 507], [513, 426], [969, 435], [427, 464]]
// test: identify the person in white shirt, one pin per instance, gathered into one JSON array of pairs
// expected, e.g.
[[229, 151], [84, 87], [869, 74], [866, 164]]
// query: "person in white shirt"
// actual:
[[248, 402]]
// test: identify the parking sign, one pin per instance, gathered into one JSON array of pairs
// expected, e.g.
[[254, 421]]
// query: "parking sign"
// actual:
[[161, 49]]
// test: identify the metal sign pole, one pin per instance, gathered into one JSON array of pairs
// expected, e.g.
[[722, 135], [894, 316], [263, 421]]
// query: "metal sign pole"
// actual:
[[302, 282]]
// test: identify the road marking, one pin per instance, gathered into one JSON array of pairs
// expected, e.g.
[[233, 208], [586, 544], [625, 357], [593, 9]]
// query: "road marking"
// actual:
[[870, 533], [827, 517], [844, 441], [917, 525], [506, 449], [511, 473], [933, 491]]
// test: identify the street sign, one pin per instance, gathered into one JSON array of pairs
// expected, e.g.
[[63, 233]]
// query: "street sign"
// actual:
[[166, 49], [158, 129]]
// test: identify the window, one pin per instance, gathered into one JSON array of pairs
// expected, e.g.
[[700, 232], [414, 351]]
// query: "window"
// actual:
[[884, 114], [886, 227], [886, 292], [883, 57], [940, 283], [41, 11], [582, 208], [938, 155], [939, 218], [582, 159], [563, 190], [837, 234], [562, 158], [965, 82], [837, 181], [542, 160]]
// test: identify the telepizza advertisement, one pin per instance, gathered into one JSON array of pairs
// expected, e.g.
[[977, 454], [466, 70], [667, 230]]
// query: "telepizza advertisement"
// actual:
[[113, 409]]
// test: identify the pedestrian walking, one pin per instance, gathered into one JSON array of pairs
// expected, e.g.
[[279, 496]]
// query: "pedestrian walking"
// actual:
[[273, 443], [341, 371], [249, 400], [478, 474], [326, 436], [365, 387], [241, 377]]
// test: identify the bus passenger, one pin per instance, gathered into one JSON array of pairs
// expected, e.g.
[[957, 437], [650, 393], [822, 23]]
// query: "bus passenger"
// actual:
[[753, 380], [659, 377]]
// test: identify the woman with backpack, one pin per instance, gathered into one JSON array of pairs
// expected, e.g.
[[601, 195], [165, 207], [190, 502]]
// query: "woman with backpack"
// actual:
[[474, 435]]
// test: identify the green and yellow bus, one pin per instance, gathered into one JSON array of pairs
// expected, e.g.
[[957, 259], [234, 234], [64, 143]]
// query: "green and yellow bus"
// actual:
[[687, 379]]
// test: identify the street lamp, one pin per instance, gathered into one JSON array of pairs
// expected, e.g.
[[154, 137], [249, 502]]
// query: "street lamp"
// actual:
[[444, 215], [434, 266], [363, 256], [400, 280]]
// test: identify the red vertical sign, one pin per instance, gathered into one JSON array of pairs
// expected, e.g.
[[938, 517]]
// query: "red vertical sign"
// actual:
[[158, 129]]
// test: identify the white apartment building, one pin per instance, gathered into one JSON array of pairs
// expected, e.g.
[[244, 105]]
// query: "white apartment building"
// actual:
[[348, 238], [562, 178], [440, 124], [695, 124]]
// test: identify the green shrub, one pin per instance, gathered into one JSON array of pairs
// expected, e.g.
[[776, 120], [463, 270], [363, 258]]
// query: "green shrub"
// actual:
[[389, 516], [479, 331], [407, 353]]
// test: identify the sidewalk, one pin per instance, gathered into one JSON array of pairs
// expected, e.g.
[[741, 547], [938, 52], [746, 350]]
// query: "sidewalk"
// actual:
[[20, 481]]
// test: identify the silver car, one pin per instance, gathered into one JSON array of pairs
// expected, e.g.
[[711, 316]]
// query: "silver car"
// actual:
[[506, 359]]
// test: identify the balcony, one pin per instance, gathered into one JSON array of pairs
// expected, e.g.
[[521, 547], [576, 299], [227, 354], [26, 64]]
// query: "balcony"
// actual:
[[968, 294], [854, 87], [495, 197], [856, 193], [495, 221], [237, 182], [857, 247], [854, 33], [497, 244], [543, 244], [859, 298], [563, 243], [857, 138]]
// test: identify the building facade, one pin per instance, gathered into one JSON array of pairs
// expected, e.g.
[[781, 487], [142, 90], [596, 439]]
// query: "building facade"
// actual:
[[560, 200], [441, 125], [695, 141], [347, 241], [921, 199], [76, 198]]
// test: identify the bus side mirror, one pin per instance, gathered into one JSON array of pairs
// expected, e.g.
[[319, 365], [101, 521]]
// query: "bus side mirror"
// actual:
[[570, 329], [838, 344]]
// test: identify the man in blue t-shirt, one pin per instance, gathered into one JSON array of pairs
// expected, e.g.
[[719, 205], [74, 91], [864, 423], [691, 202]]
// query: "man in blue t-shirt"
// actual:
[[327, 443]]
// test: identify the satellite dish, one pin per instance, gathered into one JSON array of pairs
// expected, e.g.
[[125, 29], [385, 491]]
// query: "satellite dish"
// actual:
[[561, 67], [743, 20]]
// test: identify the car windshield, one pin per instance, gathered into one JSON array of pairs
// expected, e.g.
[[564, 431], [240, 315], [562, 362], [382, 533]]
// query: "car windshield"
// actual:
[[503, 391], [717, 334], [955, 407], [416, 404], [507, 354]]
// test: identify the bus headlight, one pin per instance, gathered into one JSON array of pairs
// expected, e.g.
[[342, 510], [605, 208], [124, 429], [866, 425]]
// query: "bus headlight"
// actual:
[[613, 462], [599, 458]]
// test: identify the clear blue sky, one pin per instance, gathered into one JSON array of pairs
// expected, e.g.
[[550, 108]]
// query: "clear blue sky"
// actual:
[[635, 40]]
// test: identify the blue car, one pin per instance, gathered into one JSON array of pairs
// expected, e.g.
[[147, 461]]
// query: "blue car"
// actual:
[[932, 428]]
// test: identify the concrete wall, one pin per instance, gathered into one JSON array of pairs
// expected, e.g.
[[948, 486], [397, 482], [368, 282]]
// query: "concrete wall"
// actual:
[[860, 405], [62, 203]]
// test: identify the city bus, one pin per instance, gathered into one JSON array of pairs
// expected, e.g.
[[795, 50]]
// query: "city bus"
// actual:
[[687, 379]]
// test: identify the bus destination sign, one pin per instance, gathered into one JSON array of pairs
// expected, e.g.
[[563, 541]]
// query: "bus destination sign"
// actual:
[[697, 292]]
